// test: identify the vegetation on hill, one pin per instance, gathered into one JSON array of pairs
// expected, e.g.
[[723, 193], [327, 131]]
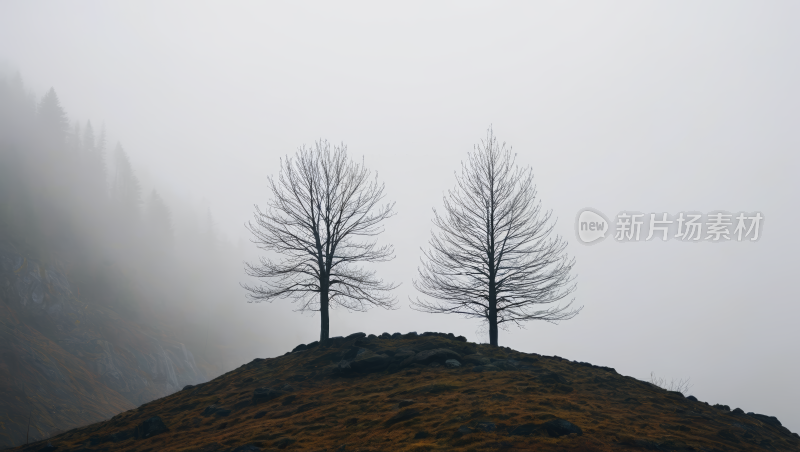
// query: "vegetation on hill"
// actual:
[[423, 393]]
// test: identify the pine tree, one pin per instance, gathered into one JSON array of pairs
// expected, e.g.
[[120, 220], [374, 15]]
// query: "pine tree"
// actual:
[[52, 117], [126, 189]]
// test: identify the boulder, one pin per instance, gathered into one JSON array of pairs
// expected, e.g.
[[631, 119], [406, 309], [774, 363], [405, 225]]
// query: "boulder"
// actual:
[[385, 335], [370, 362], [561, 427], [356, 336], [405, 403], [452, 363], [436, 355], [351, 353], [478, 360], [769, 420], [486, 426]]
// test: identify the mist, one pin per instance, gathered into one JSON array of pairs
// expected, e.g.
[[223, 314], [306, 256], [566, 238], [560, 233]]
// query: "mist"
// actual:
[[619, 106]]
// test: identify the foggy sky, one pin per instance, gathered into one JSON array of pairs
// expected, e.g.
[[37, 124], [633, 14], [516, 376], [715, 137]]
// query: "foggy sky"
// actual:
[[618, 106]]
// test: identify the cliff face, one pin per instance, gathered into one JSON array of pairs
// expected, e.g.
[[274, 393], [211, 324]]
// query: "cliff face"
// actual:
[[66, 363], [424, 393]]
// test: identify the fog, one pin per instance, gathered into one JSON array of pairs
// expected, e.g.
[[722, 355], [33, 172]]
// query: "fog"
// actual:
[[619, 106]]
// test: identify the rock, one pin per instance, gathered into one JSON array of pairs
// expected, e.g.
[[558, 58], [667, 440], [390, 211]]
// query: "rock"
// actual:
[[351, 353], [299, 348], [265, 394], [452, 363], [422, 435], [403, 353], [486, 426], [342, 366], [435, 355], [737, 411], [561, 427], [397, 335], [411, 334], [286, 387], [463, 430], [478, 360], [282, 443], [692, 398], [769, 420], [722, 407], [312, 345], [372, 336], [405, 403], [356, 336], [676, 394], [461, 339], [402, 416], [385, 335], [151, 427], [370, 362], [524, 430], [259, 415]]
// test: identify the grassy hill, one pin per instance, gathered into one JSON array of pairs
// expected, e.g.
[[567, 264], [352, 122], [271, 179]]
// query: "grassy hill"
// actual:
[[408, 393]]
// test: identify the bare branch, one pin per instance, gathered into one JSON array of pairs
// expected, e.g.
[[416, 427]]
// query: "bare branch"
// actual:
[[321, 221], [491, 256]]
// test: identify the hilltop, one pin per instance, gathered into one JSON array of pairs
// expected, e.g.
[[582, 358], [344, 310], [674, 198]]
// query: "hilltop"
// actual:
[[424, 392]]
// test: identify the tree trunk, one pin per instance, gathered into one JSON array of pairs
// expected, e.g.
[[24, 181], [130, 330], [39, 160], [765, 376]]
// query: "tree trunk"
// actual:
[[492, 314], [324, 332]]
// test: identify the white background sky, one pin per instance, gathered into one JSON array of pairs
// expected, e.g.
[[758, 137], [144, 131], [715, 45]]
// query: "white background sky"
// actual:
[[646, 106]]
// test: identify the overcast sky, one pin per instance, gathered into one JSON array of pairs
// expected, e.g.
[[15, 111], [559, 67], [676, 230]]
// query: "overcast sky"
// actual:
[[618, 106]]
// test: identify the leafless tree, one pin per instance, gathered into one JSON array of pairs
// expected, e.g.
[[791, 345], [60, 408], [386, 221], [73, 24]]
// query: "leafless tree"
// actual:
[[321, 220], [492, 257]]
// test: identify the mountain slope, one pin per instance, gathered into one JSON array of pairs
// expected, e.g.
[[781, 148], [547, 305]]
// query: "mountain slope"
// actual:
[[65, 362], [408, 393]]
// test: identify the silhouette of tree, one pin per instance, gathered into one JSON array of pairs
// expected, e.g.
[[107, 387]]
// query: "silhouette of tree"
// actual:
[[325, 208], [126, 191], [52, 117], [491, 257]]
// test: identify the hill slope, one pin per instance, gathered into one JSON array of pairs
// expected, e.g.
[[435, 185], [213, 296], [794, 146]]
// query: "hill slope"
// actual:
[[65, 362], [401, 393]]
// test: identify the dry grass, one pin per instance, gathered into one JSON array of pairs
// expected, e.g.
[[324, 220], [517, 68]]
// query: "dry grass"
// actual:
[[328, 412]]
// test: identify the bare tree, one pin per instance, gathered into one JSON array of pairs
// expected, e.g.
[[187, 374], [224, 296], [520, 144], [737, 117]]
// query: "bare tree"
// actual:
[[324, 211], [492, 257]]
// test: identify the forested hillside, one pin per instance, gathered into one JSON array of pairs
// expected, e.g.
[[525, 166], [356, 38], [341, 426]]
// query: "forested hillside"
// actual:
[[105, 303]]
